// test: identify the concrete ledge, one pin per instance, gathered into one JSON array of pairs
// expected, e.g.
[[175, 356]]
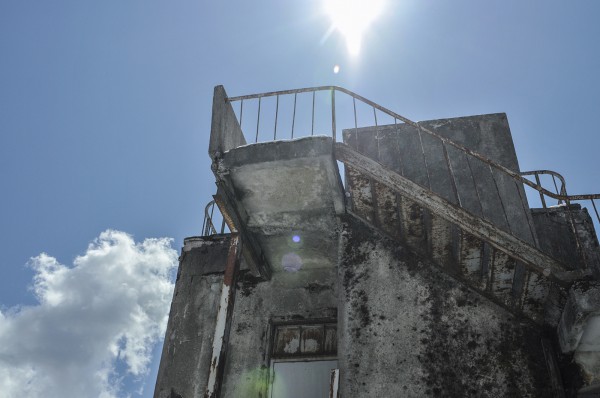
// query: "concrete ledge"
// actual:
[[288, 195]]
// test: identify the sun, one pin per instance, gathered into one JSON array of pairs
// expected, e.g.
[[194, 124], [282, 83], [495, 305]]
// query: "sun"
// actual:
[[352, 18]]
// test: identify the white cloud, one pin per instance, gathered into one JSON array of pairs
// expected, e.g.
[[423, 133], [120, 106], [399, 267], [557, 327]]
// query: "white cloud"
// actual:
[[109, 307]]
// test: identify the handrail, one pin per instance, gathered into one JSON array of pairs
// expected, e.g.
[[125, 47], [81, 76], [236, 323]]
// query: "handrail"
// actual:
[[418, 126], [562, 195], [531, 257], [554, 175]]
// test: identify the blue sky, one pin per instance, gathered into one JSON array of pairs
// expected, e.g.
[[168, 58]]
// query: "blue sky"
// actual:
[[105, 111]]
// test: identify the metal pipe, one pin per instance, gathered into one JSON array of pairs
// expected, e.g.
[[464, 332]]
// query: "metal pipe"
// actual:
[[537, 180], [556, 188], [257, 121], [333, 132], [595, 210], [294, 116], [312, 128], [276, 113], [375, 116]]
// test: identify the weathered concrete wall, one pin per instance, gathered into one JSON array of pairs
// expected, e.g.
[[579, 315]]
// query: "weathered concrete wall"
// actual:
[[555, 233], [187, 349], [288, 296], [283, 185], [407, 329], [422, 160], [225, 130]]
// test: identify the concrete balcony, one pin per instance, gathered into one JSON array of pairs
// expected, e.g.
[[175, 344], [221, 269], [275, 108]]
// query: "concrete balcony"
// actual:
[[283, 196]]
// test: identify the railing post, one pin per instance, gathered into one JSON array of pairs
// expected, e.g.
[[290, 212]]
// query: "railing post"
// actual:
[[537, 180], [333, 114]]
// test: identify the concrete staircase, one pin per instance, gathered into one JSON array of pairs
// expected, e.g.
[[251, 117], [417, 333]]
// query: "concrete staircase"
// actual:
[[496, 270]]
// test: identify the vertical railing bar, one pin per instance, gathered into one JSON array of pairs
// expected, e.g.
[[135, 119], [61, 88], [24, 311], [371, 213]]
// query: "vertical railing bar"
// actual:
[[312, 127], [595, 210], [576, 232], [375, 116], [355, 120], [212, 212], [276, 114], [204, 224], [294, 115], [398, 147], [257, 120], [333, 132], [500, 197], [241, 112], [537, 181], [376, 133], [556, 188], [452, 178], [527, 214], [377, 139], [474, 184], [424, 158]]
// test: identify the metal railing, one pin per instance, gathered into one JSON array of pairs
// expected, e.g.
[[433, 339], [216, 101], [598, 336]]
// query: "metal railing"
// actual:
[[208, 226], [560, 194], [279, 126], [396, 118]]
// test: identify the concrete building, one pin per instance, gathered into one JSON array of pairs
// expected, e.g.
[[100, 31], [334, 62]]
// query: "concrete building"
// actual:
[[424, 273]]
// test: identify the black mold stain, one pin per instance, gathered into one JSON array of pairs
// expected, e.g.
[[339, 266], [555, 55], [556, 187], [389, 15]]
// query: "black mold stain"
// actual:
[[247, 283], [459, 361], [460, 357]]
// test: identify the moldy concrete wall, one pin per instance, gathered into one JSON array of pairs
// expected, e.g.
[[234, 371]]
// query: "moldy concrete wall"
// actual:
[[406, 329], [288, 296]]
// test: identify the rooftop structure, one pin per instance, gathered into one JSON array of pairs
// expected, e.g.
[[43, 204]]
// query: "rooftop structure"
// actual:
[[424, 273]]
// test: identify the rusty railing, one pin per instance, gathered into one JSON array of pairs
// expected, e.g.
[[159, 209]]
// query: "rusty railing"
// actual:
[[208, 226], [560, 194], [333, 121]]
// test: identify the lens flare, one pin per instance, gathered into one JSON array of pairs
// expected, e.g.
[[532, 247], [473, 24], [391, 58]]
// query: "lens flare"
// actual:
[[352, 18], [336, 69], [296, 238]]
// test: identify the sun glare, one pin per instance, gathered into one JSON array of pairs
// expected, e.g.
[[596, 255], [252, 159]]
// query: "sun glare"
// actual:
[[352, 19]]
